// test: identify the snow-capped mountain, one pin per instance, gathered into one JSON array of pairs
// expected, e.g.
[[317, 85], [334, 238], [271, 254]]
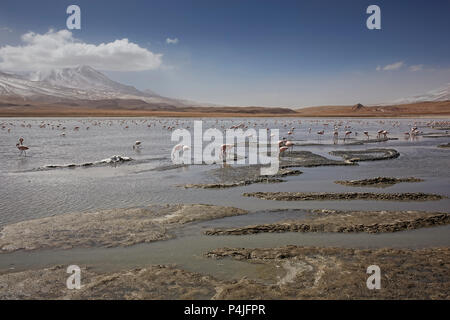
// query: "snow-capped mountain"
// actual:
[[80, 83], [82, 77], [440, 94]]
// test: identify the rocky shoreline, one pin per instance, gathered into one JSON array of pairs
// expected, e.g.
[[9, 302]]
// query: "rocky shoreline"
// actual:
[[346, 222], [331, 196]]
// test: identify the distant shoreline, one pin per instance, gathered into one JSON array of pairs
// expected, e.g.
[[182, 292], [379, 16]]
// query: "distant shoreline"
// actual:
[[203, 115], [440, 109]]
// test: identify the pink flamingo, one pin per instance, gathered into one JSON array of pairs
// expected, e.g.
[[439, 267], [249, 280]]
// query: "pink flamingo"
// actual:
[[347, 133], [282, 149], [289, 144], [380, 132], [335, 136], [320, 133], [223, 149], [367, 134], [137, 145], [179, 147], [22, 149]]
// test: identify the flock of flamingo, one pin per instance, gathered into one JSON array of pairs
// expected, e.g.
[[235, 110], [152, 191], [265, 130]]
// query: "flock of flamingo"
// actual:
[[290, 125]]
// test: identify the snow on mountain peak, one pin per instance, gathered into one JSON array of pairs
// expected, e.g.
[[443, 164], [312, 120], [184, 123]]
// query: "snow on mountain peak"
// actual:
[[82, 82], [440, 94], [81, 77]]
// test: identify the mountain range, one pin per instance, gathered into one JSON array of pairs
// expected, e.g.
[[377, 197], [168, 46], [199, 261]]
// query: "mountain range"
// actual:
[[440, 94], [84, 90], [80, 83]]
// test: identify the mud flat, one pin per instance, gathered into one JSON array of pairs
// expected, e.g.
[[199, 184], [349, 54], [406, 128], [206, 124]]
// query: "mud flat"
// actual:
[[376, 140], [440, 128], [347, 222], [367, 155], [107, 228], [435, 135], [346, 142], [152, 282], [338, 273], [304, 273], [380, 182], [235, 176], [229, 177], [444, 146], [308, 159], [327, 196]]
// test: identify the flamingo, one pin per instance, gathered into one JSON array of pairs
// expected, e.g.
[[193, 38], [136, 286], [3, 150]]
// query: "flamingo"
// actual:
[[347, 133], [179, 147], [137, 145], [223, 149], [289, 144], [22, 148], [282, 149], [367, 134], [320, 133], [380, 132]]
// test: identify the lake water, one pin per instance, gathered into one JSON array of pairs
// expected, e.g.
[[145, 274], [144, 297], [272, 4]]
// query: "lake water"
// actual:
[[29, 190]]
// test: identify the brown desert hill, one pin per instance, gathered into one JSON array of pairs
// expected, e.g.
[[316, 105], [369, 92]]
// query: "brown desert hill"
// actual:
[[17, 107], [358, 106], [434, 108]]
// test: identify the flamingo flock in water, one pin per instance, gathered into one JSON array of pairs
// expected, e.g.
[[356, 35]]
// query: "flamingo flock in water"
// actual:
[[289, 126]]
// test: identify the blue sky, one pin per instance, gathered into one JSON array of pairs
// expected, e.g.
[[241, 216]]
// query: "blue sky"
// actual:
[[271, 53]]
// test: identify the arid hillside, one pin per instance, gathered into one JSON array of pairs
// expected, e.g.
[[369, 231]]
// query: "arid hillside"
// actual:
[[438, 108]]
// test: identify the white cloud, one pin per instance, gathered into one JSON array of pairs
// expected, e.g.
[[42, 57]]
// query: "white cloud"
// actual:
[[58, 49], [394, 66], [172, 41], [391, 67], [416, 67]]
